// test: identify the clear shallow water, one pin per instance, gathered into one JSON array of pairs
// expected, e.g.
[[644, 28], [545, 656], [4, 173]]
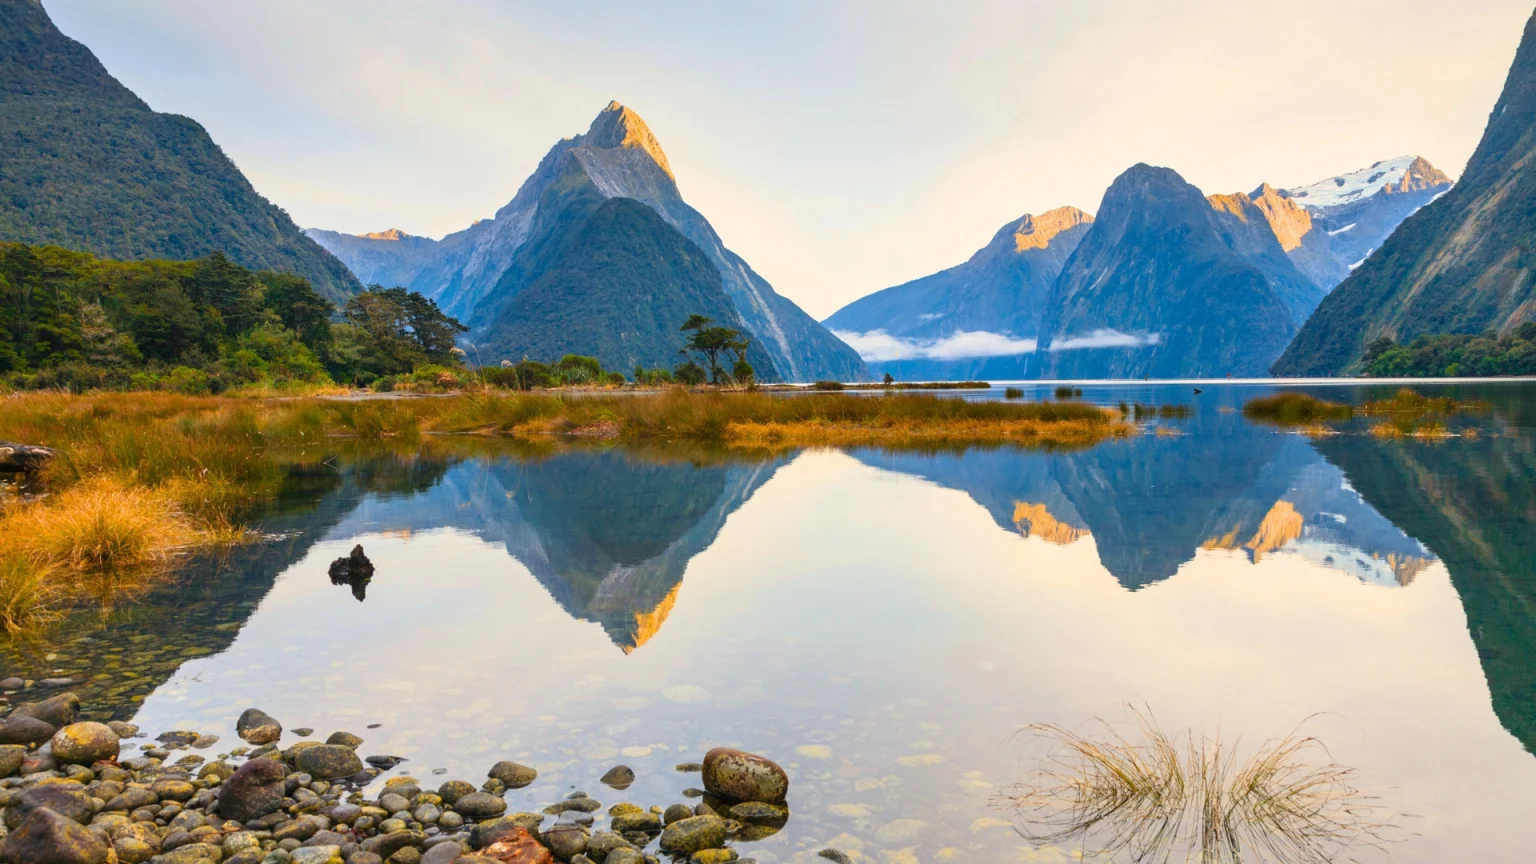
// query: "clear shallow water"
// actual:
[[883, 625]]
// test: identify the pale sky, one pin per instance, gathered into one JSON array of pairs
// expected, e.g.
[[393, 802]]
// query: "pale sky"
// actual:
[[840, 147]]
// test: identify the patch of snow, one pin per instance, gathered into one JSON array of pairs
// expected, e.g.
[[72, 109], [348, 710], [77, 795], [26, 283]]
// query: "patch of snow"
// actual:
[[1338, 231], [1354, 186]]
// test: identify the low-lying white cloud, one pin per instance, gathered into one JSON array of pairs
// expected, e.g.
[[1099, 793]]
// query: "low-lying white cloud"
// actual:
[[1106, 338], [878, 346]]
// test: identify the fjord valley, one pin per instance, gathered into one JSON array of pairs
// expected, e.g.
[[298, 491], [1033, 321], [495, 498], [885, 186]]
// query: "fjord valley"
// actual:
[[541, 527]]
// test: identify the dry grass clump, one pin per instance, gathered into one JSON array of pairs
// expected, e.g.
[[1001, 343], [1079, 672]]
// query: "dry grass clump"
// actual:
[[1295, 409], [101, 541], [30, 598], [100, 525], [1407, 401], [1134, 792], [759, 419]]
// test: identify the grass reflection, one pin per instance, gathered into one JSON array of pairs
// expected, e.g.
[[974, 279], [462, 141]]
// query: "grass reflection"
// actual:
[[1133, 791]]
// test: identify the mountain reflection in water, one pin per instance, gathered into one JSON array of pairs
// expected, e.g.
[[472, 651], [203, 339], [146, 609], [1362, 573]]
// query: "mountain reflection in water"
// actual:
[[902, 612]]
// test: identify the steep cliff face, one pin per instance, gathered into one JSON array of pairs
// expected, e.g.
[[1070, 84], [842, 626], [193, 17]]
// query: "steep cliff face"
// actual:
[[1000, 289], [86, 165], [1249, 230], [619, 157], [1462, 264], [1165, 284]]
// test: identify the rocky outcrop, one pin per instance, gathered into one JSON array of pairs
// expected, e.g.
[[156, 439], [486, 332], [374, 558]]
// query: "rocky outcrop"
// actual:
[[23, 458]]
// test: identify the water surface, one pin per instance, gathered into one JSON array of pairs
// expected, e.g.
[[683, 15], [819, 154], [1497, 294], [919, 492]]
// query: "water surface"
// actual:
[[884, 624]]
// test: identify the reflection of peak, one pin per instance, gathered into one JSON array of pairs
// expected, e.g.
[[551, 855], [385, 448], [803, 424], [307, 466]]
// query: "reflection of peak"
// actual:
[[608, 535], [1280, 525], [648, 624], [1034, 520]]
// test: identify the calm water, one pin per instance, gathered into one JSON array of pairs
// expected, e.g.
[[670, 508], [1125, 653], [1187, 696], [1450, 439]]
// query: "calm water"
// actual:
[[884, 624]]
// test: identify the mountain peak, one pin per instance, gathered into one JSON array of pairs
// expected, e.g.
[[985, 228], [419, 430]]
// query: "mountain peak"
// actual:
[[1037, 232], [1289, 221], [617, 126], [390, 234], [1390, 176]]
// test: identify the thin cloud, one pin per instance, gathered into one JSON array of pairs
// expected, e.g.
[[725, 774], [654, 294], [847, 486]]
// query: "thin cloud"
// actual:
[[1106, 338], [878, 346]]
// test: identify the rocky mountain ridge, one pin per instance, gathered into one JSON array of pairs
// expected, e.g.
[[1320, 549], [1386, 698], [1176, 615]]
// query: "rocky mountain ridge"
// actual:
[[618, 157], [1462, 264]]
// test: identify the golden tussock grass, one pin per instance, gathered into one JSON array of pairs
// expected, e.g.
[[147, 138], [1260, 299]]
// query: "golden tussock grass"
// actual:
[[1290, 408], [898, 434]]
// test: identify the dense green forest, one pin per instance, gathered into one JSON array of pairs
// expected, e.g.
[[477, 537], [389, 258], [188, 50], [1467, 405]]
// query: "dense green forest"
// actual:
[[1454, 355], [72, 320], [69, 319], [84, 163]]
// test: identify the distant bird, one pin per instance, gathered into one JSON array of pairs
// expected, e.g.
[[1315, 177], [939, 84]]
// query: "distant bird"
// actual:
[[1197, 391]]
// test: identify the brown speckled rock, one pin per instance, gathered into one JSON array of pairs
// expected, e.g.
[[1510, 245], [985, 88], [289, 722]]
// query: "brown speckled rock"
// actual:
[[736, 775]]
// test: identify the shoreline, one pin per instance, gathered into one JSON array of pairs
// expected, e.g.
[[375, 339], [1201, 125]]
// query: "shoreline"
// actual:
[[73, 789]]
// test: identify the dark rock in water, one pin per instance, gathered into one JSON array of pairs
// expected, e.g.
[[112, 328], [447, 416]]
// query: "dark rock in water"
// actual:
[[328, 761], [386, 845], [253, 791], [45, 837], [515, 776], [618, 777], [688, 767], [480, 805], [178, 738], [346, 739], [676, 812], [566, 840], [23, 458], [739, 776], [305, 731], [759, 813], [384, 763], [453, 790], [354, 570], [12, 683], [85, 743], [51, 683], [835, 856], [257, 727], [25, 730], [695, 834], [56, 711], [65, 799]]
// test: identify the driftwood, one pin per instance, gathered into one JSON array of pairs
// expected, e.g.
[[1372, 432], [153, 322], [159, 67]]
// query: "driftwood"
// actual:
[[19, 458]]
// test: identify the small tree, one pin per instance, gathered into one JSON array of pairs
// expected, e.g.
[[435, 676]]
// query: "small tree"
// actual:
[[889, 380], [711, 342]]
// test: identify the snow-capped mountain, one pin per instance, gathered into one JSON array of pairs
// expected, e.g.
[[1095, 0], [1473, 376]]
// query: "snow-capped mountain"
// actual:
[[1403, 174]]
